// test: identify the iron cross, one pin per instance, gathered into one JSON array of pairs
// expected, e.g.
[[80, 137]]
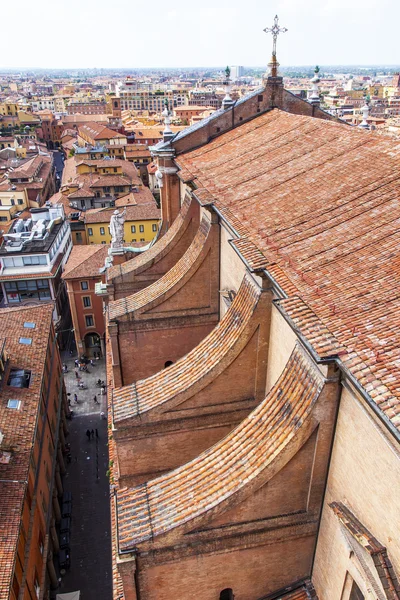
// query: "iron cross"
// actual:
[[275, 30]]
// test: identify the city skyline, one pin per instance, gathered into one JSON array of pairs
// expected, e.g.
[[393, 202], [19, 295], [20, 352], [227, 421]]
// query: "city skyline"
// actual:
[[225, 34]]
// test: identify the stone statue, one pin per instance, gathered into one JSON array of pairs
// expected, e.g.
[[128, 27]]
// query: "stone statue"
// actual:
[[117, 228]]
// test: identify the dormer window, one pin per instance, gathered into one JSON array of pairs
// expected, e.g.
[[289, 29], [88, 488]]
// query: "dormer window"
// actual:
[[19, 378]]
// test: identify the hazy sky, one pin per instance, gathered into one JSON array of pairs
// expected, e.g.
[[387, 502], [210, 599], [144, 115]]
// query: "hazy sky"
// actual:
[[133, 33]]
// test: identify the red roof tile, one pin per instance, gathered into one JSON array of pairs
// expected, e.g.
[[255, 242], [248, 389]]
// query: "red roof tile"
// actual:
[[171, 500], [171, 386], [316, 205]]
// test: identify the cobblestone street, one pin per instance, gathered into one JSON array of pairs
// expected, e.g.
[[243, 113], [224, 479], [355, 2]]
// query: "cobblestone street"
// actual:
[[86, 478]]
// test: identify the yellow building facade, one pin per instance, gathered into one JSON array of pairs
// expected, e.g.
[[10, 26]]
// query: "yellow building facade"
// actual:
[[141, 224], [12, 202]]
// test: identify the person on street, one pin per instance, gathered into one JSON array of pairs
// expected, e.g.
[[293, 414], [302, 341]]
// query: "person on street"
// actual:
[[88, 434]]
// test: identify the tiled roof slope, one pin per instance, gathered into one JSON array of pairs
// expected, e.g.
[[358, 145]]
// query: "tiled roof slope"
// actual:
[[319, 201], [383, 565], [198, 365], [18, 426], [85, 261], [11, 503], [190, 491], [157, 251], [156, 290]]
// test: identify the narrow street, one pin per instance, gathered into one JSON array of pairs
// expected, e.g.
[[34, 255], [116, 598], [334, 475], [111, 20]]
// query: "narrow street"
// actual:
[[86, 479]]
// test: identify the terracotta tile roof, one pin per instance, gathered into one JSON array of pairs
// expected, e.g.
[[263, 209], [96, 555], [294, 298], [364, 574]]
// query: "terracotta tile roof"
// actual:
[[135, 212], [108, 180], [83, 192], [85, 261], [202, 485], [319, 201], [202, 364], [158, 289], [156, 252], [28, 168], [142, 196], [18, 426], [360, 533], [11, 503], [98, 131]]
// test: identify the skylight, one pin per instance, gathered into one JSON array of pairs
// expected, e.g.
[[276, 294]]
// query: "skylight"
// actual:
[[29, 325], [14, 404], [26, 341]]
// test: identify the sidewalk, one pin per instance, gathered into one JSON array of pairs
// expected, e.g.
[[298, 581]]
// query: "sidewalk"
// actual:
[[91, 570]]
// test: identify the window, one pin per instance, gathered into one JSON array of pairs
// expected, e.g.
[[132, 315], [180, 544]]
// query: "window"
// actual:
[[29, 325], [141, 228], [78, 236], [90, 231], [133, 240], [142, 239], [102, 231], [86, 301], [15, 404], [133, 228], [356, 593], [154, 227], [89, 321], [25, 340], [84, 285], [226, 594]]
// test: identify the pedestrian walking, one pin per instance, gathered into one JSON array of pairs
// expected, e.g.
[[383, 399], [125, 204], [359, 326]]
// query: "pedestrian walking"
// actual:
[[102, 390], [92, 434], [88, 434], [97, 433], [95, 400], [75, 399], [76, 362], [76, 373], [102, 415]]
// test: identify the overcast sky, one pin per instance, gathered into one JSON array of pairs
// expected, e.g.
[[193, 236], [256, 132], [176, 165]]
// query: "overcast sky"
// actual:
[[134, 33]]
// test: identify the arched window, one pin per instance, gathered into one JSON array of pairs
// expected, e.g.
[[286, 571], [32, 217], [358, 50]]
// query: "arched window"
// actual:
[[226, 594], [168, 364], [115, 104]]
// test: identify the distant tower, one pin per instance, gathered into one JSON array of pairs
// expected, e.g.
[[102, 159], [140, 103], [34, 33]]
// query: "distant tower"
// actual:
[[116, 106], [314, 97], [227, 102]]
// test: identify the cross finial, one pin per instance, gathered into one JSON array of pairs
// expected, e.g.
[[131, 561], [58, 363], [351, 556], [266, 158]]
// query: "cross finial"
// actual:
[[275, 30]]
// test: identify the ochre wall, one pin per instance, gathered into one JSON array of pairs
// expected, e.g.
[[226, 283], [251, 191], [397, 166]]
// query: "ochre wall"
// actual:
[[365, 476], [282, 341], [232, 268]]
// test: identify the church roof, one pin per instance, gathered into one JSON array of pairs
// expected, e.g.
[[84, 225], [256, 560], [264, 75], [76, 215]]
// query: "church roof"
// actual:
[[316, 205], [200, 486], [158, 289], [196, 366]]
